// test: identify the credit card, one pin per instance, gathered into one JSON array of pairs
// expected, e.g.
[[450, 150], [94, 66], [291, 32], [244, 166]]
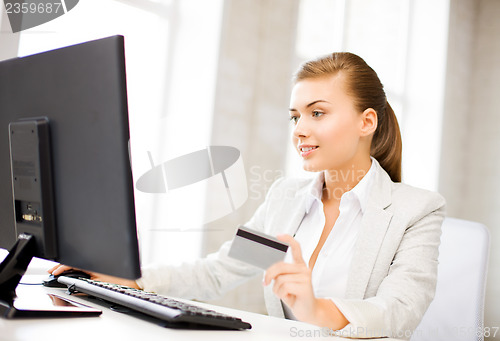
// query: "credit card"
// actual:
[[257, 248]]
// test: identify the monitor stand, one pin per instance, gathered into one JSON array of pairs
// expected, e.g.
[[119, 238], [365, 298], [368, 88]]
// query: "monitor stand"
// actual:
[[31, 173], [35, 304]]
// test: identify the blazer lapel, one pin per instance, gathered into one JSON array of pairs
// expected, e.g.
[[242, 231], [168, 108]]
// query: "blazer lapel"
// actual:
[[374, 226], [289, 225]]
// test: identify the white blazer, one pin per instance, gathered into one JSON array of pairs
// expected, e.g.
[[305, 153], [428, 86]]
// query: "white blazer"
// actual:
[[393, 273]]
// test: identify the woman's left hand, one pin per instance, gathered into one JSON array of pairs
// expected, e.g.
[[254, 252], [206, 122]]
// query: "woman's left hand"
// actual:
[[293, 284]]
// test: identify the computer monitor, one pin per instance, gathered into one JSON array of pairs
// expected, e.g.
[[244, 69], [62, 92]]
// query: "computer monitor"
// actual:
[[65, 172]]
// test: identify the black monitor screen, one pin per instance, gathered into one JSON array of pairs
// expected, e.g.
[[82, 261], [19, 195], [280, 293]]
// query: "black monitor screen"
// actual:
[[81, 90]]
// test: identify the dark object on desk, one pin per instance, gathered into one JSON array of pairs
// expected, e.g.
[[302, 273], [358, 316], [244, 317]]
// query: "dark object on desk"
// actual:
[[66, 189], [52, 282], [173, 312]]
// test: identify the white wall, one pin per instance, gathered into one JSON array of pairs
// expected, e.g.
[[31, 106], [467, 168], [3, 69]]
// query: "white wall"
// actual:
[[470, 165]]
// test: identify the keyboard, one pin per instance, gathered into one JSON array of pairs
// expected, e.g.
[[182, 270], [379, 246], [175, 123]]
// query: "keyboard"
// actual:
[[174, 312]]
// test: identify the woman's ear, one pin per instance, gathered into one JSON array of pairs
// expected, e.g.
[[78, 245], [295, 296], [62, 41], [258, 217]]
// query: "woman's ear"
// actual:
[[369, 122]]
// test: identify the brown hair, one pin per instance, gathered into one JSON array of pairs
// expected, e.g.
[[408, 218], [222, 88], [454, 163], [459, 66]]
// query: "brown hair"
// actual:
[[363, 84]]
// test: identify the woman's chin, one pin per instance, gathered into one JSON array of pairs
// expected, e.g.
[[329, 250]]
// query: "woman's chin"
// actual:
[[311, 167]]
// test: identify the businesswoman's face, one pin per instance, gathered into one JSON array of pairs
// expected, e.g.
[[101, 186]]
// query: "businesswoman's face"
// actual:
[[327, 127]]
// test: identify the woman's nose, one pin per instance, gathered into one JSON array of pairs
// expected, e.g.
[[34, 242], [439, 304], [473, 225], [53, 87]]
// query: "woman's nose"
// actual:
[[301, 128]]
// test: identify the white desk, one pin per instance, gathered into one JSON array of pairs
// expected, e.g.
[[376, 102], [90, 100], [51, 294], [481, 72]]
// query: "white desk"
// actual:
[[113, 325]]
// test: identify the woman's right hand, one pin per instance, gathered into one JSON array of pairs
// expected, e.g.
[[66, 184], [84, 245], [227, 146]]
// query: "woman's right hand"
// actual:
[[60, 268]]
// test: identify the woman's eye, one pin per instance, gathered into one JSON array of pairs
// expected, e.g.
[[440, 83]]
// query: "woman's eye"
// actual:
[[317, 113], [294, 119]]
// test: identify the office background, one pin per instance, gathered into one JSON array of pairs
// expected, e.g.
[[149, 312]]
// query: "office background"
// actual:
[[218, 73]]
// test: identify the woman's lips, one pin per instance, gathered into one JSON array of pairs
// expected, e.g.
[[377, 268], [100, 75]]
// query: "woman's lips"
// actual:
[[307, 150]]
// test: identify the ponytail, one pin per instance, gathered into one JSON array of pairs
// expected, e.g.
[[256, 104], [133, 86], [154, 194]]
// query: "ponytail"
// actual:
[[363, 84], [386, 145]]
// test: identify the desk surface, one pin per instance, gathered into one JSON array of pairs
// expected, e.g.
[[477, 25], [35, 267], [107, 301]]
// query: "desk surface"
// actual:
[[118, 326], [121, 326]]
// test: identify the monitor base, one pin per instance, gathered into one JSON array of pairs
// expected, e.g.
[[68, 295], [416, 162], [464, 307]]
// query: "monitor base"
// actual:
[[14, 266], [12, 269]]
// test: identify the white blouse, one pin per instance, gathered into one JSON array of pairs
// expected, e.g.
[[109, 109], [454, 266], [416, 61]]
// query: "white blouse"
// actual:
[[329, 275]]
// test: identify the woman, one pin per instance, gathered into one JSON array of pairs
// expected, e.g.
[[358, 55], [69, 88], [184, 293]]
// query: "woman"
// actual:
[[364, 250]]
